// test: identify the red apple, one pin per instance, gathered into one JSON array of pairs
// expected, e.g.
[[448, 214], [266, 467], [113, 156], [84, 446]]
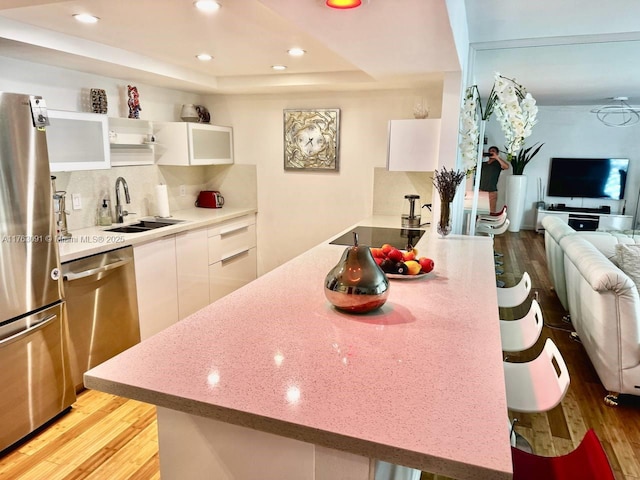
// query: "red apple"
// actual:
[[426, 264], [377, 253], [395, 255], [386, 248]]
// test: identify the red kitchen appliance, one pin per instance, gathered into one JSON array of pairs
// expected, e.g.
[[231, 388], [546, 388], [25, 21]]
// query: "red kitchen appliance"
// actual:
[[209, 199]]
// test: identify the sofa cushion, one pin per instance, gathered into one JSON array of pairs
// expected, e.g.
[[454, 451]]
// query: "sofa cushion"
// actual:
[[628, 257]]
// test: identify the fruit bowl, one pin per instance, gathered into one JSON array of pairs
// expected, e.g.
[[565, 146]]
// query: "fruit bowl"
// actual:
[[400, 276], [401, 264]]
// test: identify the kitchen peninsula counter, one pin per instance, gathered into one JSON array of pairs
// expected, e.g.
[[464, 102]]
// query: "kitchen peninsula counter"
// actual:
[[316, 391], [93, 240]]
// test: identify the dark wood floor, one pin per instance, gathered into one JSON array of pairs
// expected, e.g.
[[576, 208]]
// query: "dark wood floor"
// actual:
[[107, 437]]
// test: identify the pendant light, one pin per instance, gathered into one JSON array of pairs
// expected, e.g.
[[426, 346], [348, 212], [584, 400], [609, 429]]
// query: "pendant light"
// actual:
[[343, 4], [617, 113]]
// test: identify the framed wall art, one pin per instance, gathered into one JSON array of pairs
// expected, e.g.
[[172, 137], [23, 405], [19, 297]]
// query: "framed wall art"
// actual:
[[311, 139]]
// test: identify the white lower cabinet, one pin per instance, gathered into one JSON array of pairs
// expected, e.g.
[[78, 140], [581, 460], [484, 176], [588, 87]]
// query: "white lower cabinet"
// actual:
[[157, 285], [193, 272], [178, 275], [232, 256], [231, 273]]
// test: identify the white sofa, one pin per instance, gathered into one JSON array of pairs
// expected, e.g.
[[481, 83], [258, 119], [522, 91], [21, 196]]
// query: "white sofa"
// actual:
[[602, 300], [555, 230]]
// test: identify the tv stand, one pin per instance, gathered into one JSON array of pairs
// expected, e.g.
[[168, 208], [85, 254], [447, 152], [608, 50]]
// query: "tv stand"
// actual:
[[561, 207], [586, 219]]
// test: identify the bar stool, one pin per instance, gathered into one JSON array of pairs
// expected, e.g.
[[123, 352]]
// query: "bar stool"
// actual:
[[535, 386], [492, 229], [509, 297], [587, 462], [522, 334]]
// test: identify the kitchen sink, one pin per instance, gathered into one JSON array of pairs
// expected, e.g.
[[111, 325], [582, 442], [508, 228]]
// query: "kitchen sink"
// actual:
[[143, 226]]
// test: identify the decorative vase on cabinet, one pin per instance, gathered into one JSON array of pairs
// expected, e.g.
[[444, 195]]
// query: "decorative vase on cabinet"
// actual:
[[516, 197]]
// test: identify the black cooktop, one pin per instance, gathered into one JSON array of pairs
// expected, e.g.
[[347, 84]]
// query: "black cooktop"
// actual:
[[377, 236]]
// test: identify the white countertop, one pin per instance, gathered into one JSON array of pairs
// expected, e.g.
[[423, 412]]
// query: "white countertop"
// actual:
[[92, 240], [418, 382]]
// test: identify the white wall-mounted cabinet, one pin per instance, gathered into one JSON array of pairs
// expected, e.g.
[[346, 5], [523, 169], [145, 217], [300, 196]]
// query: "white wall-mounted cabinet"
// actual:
[[77, 141], [130, 142], [185, 143], [414, 145]]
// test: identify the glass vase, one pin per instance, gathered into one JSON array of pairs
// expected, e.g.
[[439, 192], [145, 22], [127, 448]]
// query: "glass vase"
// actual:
[[444, 224]]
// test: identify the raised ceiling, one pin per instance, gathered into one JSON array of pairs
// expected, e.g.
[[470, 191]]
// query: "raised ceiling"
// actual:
[[564, 52], [155, 41]]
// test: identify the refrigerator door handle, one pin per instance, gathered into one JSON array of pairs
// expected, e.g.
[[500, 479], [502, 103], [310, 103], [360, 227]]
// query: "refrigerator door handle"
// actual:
[[33, 328], [70, 276]]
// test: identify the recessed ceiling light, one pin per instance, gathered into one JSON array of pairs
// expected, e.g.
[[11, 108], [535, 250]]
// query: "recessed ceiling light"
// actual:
[[205, 57], [279, 67], [343, 3], [86, 18], [207, 5], [296, 52]]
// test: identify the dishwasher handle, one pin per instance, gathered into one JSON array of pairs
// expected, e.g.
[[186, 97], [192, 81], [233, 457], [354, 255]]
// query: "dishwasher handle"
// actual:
[[70, 276], [28, 330]]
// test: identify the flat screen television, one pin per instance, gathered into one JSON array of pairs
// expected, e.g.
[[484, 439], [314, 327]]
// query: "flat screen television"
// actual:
[[588, 177]]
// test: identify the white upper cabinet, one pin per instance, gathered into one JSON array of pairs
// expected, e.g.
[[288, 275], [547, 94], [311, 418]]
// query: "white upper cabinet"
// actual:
[[77, 141], [184, 143], [414, 145], [131, 141]]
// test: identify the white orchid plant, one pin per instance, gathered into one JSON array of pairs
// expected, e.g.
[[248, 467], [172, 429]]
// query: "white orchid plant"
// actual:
[[515, 109]]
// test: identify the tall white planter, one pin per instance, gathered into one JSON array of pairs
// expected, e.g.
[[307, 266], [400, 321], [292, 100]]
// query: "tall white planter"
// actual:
[[516, 194]]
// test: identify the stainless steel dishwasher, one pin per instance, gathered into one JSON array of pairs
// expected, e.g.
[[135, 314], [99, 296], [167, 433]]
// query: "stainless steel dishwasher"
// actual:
[[102, 308]]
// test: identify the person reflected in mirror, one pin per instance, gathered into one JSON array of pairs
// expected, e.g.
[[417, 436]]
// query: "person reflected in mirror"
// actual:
[[490, 174]]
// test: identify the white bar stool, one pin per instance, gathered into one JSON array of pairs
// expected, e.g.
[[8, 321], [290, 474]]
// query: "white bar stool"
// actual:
[[535, 386], [491, 229], [509, 297], [522, 334]]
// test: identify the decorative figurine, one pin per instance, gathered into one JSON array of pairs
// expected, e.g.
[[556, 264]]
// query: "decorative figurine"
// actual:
[[134, 102]]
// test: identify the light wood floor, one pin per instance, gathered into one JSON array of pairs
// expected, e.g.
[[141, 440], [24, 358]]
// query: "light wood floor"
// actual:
[[103, 437], [107, 437]]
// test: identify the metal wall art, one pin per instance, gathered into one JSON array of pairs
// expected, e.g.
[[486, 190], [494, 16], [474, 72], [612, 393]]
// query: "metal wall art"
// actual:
[[98, 100], [311, 139]]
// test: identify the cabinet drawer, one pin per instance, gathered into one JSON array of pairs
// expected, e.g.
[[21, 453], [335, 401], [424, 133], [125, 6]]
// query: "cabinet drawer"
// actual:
[[228, 275], [231, 239]]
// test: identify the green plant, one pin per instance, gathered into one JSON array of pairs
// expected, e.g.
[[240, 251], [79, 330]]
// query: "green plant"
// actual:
[[524, 156]]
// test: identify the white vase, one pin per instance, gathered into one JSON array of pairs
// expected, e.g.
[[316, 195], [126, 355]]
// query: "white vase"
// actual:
[[516, 195]]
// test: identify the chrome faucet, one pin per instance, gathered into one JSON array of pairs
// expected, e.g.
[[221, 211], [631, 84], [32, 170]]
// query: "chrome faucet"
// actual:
[[120, 214]]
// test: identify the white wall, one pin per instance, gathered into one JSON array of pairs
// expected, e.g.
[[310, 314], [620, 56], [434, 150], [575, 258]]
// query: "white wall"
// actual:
[[572, 131], [297, 210]]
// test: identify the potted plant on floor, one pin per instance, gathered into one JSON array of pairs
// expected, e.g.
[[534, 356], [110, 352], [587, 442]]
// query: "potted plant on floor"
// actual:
[[517, 185]]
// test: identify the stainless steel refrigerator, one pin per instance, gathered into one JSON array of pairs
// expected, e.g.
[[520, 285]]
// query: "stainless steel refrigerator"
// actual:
[[35, 380]]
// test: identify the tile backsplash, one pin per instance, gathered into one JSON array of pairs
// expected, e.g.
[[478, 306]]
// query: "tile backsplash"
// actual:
[[389, 189], [237, 183]]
